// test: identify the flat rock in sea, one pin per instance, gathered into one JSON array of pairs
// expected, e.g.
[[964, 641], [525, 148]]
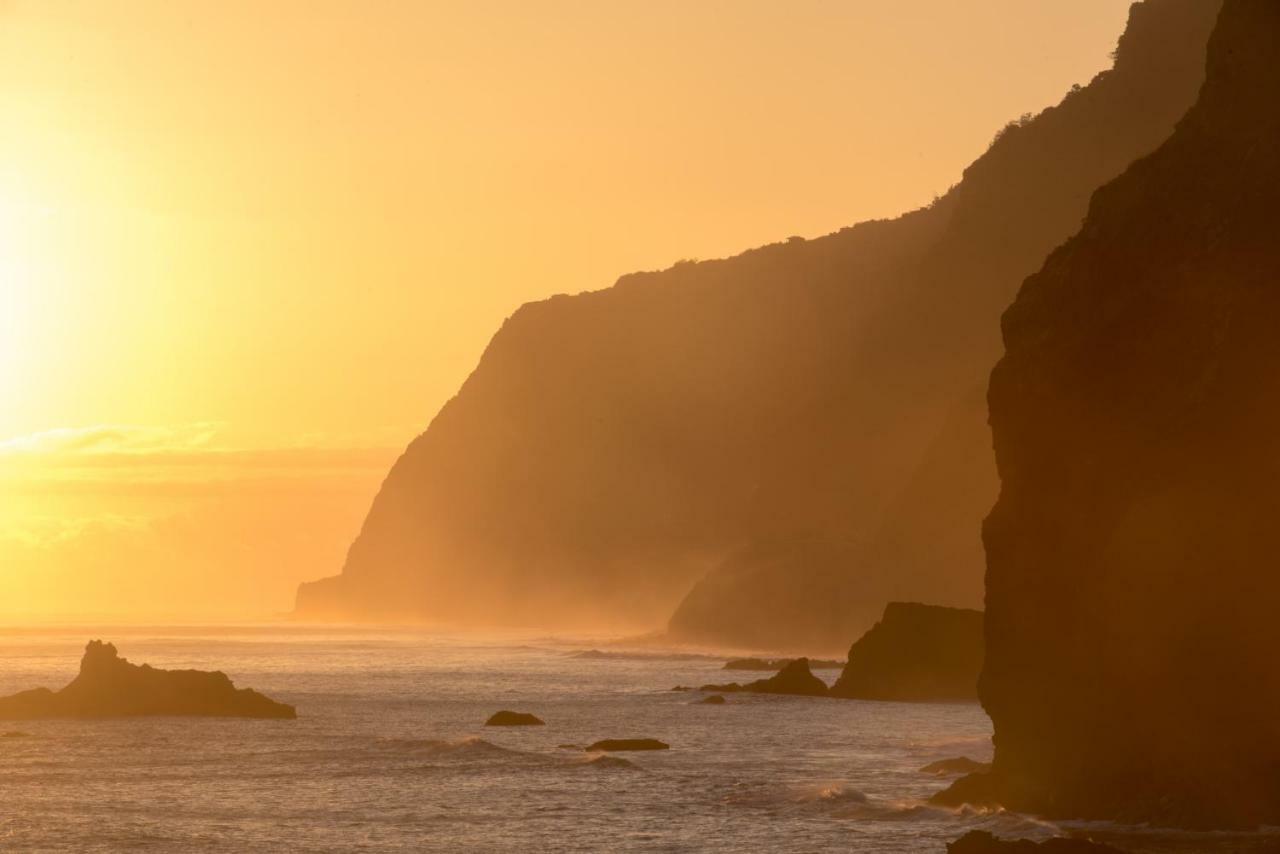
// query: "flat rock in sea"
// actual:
[[618, 744], [795, 678], [982, 842], [110, 687], [713, 700], [507, 718], [959, 765]]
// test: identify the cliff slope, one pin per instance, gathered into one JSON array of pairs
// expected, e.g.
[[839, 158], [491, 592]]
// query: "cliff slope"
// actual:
[[1132, 667], [805, 419]]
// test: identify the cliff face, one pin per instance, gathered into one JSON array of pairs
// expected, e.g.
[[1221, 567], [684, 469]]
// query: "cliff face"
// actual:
[[916, 653], [804, 420], [1132, 666]]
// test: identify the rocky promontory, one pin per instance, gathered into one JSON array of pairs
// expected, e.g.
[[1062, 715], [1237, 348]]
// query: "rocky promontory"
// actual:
[[108, 686], [801, 423], [916, 653]]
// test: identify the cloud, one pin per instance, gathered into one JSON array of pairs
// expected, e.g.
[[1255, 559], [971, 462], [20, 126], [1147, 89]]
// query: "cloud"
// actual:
[[174, 454], [115, 439]]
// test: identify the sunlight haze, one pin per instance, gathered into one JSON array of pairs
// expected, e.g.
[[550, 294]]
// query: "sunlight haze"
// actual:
[[247, 250]]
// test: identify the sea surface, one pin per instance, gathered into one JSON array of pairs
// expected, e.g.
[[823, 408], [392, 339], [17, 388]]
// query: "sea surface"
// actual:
[[390, 753]]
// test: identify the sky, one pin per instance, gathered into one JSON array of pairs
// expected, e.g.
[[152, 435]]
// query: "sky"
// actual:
[[248, 249]]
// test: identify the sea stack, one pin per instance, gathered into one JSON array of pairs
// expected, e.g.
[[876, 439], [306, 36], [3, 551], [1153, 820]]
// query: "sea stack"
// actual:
[[110, 687], [1133, 647], [917, 654]]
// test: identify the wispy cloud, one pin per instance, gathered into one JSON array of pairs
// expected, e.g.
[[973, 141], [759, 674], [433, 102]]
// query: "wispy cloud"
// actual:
[[189, 453], [116, 439]]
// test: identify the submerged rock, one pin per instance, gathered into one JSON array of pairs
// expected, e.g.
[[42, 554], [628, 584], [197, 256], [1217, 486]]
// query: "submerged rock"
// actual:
[[713, 700], [982, 842], [619, 744], [110, 687], [506, 718], [795, 678], [959, 765], [916, 653]]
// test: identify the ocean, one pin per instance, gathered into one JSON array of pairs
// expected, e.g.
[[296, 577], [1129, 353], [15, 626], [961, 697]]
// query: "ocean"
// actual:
[[390, 753]]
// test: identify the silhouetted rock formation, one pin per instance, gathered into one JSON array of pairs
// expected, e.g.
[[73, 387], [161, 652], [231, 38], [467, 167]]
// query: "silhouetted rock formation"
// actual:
[[795, 678], [110, 687], [916, 653], [959, 765], [981, 842], [506, 718], [1133, 646], [776, 664], [612, 745], [805, 419], [713, 700]]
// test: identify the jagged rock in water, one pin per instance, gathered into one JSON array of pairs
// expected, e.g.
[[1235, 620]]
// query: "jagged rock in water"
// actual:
[[611, 745], [1132, 669], [982, 842], [959, 765], [916, 653], [795, 678], [110, 687], [821, 399], [506, 718]]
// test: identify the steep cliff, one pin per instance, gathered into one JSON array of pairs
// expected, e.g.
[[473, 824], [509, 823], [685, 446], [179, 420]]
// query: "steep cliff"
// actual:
[[916, 653], [1133, 649], [803, 419]]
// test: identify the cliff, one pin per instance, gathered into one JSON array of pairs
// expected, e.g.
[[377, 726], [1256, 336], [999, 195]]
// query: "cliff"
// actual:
[[108, 686], [916, 653], [1132, 669], [801, 424]]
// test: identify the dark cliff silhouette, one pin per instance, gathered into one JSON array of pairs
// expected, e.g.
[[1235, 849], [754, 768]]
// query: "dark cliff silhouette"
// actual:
[[1133, 645], [804, 422], [916, 653], [108, 686]]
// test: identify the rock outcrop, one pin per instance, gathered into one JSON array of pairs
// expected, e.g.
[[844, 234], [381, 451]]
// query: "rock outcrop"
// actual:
[[110, 687], [982, 842], [507, 718], [916, 654], [795, 678], [805, 419], [956, 766], [1132, 667], [617, 745]]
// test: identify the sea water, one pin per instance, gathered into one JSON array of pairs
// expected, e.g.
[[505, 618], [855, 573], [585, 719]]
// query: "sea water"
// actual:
[[390, 753]]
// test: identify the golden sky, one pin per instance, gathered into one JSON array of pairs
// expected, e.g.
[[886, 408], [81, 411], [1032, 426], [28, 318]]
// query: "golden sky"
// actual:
[[247, 249]]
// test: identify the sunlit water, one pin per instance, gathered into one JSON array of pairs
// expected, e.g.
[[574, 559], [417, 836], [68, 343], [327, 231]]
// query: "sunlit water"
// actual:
[[389, 753]]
